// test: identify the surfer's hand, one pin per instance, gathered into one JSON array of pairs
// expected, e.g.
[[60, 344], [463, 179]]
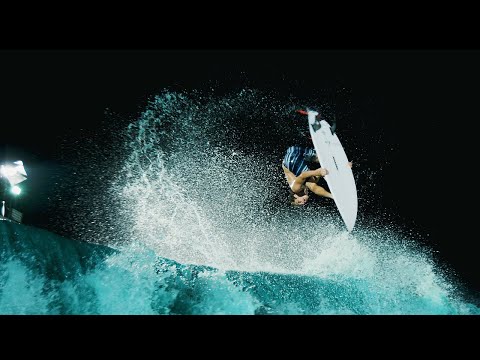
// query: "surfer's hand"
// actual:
[[322, 172]]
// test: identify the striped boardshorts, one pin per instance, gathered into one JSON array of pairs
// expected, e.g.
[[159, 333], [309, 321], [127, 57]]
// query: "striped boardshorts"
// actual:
[[294, 159]]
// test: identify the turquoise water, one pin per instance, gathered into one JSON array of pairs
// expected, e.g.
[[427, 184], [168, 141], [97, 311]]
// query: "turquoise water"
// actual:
[[42, 273]]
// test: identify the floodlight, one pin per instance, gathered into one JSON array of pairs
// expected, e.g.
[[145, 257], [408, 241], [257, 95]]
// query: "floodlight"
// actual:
[[15, 173]]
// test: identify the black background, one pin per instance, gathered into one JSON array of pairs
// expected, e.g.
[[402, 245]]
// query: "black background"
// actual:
[[424, 101]]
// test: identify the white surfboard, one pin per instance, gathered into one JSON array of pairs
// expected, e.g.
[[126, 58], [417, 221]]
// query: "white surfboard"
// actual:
[[340, 179]]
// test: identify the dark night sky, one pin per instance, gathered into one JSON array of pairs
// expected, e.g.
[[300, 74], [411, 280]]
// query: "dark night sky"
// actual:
[[424, 101]]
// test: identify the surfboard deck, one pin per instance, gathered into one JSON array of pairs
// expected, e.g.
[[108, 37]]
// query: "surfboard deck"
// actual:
[[340, 178]]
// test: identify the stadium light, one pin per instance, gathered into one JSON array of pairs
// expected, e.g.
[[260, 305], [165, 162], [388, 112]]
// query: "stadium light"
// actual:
[[15, 172]]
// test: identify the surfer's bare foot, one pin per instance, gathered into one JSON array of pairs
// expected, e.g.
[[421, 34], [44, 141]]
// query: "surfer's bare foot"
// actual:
[[350, 164]]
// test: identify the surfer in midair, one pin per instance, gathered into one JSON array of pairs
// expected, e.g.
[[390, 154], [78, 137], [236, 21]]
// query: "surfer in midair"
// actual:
[[302, 170], [300, 178]]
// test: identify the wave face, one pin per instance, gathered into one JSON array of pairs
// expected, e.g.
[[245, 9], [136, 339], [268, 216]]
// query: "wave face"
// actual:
[[195, 220], [43, 273]]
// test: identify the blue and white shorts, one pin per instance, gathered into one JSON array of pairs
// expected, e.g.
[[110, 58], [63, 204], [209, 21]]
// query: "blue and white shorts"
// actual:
[[294, 159]]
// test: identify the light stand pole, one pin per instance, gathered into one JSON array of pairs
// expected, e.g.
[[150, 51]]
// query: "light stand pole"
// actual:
[[3, 184]]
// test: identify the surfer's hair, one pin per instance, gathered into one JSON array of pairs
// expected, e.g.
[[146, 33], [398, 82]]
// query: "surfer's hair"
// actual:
[[291, 199]]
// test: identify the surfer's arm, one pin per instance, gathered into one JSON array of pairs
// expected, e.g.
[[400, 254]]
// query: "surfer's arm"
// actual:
[[318, 190], [309, 173], [304, 176]]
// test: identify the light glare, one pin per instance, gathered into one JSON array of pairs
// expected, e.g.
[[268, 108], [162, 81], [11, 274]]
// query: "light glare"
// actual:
[[6, 170]]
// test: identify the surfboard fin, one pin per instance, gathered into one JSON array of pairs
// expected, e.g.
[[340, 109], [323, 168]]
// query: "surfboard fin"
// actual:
[[316, 126], [333, 128]]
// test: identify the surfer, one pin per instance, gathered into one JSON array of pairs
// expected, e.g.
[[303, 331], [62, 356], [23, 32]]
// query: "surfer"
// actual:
[[302, 172], [297, 165]]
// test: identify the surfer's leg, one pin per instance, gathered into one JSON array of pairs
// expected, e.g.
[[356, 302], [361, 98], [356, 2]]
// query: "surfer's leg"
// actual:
[[288, 176]]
